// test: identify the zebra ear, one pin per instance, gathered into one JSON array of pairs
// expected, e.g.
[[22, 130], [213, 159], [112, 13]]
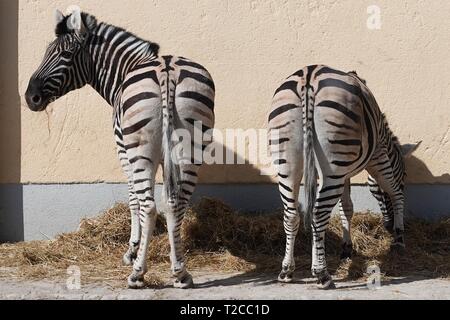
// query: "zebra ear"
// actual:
[[59, 17], [74, 22], [408, 149]]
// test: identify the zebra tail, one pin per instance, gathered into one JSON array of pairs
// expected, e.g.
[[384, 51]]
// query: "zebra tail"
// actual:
[[310, 173], [172, 174]]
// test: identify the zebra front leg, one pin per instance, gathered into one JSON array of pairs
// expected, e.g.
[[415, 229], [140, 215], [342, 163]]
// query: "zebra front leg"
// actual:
[[346, 214], [384, 202], [384, 176], [398, 204], [329, 194], [131, 254]]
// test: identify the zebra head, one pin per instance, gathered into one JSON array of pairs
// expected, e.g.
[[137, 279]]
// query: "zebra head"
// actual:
[[65, 66]]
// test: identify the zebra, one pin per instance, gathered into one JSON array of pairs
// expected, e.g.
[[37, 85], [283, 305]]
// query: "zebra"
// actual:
[[152, 97], [326, 124]]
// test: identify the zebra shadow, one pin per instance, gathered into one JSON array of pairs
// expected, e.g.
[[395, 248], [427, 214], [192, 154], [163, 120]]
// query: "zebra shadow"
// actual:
[[426, 193], [418, 172], [426, 256], [253, 241], [258, 239], [265, 252]]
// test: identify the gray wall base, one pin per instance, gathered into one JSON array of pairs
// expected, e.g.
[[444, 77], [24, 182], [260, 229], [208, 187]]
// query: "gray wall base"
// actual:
[[11, 213], [32, 212]]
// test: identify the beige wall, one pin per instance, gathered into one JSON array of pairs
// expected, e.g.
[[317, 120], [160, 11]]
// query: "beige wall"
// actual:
[[249, 47]]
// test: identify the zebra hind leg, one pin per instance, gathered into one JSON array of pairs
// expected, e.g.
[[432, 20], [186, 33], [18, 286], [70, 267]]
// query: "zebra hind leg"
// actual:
[[329, 194], [133, 204], [291, 220], [130, 256], [289, 177], [174, 216], [144, 189], [176, 209], [148, 220], [346, 214]]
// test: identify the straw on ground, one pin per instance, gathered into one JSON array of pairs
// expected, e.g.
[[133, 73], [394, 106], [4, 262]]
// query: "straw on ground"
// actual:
[[218, 239]]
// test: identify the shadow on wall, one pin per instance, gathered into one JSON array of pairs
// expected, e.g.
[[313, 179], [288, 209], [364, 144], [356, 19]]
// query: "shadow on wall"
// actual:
[[428, 197], [418, 171], [236, 173], [11, 200], [247, 189]]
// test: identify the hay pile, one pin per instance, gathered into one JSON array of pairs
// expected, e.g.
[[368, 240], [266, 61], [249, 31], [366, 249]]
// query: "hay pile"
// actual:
[[218, 239]]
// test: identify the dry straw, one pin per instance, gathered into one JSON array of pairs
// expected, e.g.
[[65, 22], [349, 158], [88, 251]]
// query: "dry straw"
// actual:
[[219, 240]]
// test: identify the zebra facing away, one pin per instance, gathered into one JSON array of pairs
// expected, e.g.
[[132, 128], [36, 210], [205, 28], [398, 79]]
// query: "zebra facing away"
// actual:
[[152, 97], [326, 124]]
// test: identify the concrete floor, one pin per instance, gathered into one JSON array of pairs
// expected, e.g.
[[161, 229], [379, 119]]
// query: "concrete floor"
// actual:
[[234, 286]]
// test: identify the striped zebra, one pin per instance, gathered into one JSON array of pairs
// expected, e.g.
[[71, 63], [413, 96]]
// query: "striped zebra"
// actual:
[[326, 124], [152, 98]]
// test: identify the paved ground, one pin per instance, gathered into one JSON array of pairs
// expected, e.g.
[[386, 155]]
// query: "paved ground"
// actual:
[[234, 286]]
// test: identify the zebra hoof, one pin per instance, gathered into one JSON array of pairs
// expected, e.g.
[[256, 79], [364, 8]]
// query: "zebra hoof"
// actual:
[[324, 281], [185, 283], [389, 226], [347, 251], [398, 247], [399, 243], [128, 258], [136, 281], [287, 274], [285, 277]]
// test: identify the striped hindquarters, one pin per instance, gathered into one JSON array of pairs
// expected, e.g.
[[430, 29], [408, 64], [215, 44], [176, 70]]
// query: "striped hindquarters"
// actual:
[[165, 94], [344, 120], [285, 121], [194, 99]]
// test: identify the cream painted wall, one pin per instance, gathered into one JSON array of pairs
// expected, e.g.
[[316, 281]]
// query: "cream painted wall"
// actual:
[[249, 47]]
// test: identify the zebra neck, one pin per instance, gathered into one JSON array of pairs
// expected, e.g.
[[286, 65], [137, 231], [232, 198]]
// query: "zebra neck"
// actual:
[[390, 141], [114, 52]]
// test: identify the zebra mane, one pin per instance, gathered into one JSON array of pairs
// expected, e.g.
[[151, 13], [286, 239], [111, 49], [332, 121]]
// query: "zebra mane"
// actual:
[[391, 134], [90, 22], [394, 140], [353, 73]]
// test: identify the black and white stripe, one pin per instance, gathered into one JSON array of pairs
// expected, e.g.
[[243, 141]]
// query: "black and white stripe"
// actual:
[[326, 124], [152, 97]]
